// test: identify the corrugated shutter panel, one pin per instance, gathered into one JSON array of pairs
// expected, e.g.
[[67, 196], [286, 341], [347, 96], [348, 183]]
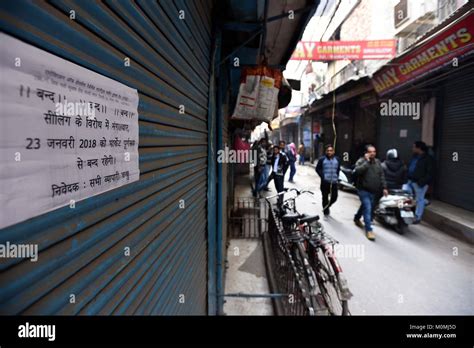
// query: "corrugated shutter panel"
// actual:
[[455, 181], [82, 249], [390, 128]]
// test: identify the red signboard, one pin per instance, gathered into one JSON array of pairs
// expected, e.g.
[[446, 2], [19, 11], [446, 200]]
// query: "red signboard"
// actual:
[[339, 50], [456, 41]]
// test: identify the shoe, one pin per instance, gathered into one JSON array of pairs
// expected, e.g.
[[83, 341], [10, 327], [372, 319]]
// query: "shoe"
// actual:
[[266, 189], [291, 181], [326, 212], [370, 235], [358, 223], [416, 222]]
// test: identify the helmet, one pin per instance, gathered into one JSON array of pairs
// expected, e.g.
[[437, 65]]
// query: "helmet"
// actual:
[[392, 154]]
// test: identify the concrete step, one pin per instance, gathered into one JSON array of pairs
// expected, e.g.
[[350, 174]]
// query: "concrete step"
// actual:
[[452, 220]]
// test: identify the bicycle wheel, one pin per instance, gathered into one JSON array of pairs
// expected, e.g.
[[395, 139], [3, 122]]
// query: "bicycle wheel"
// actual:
[[316, 299], [329, 283], [300, 273]]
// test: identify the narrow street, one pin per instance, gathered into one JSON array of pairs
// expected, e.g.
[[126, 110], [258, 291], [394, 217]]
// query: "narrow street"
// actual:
[[411, 274], [137, 138]]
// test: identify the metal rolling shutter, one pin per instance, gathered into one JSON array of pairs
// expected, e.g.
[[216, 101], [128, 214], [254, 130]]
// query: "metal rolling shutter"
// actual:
[[389, 135], [82, 249], [455, 181]]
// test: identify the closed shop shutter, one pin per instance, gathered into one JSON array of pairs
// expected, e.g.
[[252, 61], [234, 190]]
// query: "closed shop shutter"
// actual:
[[344, 138], [305, 134], [81, 250], [398, 132], [455, 180]]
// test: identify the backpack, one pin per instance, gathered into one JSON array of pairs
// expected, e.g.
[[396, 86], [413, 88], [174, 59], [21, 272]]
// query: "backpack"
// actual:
[[290, 155]]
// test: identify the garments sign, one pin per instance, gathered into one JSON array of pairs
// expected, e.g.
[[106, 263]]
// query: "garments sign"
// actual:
[[67, 133], [340, 50], [456, 41]]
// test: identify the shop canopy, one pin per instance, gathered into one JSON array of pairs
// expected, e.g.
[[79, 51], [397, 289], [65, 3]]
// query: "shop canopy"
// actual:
[[270, 29], [445, 45]]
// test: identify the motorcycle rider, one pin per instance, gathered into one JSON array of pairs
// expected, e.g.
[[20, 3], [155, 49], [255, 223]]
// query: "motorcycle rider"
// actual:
[[420, 174], [394, 169]]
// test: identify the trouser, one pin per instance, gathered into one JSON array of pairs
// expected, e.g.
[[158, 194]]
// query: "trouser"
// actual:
[[419, 192], [328, 189], [376, 200], [263, 177], [365, 209], [292, 170], [302, 160], [256, 176], [279, 185]]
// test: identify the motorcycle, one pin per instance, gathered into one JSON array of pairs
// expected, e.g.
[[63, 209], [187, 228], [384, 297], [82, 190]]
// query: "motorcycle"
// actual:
[[396, 210], [345, 180]]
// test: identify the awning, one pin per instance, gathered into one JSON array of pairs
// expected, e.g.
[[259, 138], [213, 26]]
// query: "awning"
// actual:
[[290, 120], [453, 39], [346, 91], [266, 28], [269, 28]]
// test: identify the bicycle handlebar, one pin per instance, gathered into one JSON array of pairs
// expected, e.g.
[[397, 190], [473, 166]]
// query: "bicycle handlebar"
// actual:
[[298, 193]]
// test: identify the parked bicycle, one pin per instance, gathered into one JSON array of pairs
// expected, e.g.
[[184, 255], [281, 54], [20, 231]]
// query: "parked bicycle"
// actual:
[[313, 252]]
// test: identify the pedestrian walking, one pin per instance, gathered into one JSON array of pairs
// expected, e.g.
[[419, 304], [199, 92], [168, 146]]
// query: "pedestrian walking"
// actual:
[[260, 153], [284, 149], [267, 168], [420, 175], [394, 170], [291, 154], [370, 182], [279, 167], [328, 168], [301, 151]]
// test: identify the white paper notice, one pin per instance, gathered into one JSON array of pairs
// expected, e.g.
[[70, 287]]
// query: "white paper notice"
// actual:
[[67, 133]]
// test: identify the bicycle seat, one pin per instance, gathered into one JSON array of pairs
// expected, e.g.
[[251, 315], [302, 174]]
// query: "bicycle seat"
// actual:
[[290, 217], [309, 219]]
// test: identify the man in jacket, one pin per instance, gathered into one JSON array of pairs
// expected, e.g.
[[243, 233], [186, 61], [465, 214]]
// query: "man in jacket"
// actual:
[[394, 170], [328, 168], [420, 175], [289, 156], [370, 181], [279, 167], [301, 153]]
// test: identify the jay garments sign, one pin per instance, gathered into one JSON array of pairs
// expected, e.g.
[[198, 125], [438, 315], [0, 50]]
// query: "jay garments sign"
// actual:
[[456, 41], [339, 50]]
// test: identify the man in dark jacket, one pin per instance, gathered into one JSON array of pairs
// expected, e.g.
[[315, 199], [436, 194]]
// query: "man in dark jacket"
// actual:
[[291, 158], [394, 170], [420, 175], [328, 168], [370, 181], [279, 167]]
